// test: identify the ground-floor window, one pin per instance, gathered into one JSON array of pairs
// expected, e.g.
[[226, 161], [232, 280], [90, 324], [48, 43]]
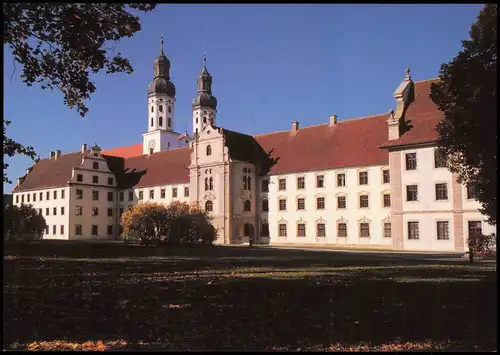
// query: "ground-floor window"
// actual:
[[443, 230], [320, 230], [364, 230], [413, 232], [342, 230], [387, 230], [110, 230], [94, 229], [474, 228], [78, 229], [264, 230], [301, 230], [282, 230]]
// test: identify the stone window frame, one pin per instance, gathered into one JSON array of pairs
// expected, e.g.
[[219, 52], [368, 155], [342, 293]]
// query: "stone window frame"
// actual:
[[384, 221], [382, 169], [436, 223], [279, 223], [209, 203], [301, 221], [440, 182], [301, 176], [297, 198], [317, 196], [405, 154], [437, 159], [286, 203], [383, 193], [358, 173], [341, 194], [363, 193], [342, 220], [407, 231], [341, 172], [279, 184], [316, 177], [319, 221], [247, 203], [406, 193], [364, 220]]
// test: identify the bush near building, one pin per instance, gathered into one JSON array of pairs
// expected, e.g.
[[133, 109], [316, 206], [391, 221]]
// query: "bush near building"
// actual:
[[22, 223], [153, 223]]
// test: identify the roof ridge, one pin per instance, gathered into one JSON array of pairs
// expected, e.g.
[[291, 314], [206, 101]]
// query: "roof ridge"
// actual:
[[423, 81]]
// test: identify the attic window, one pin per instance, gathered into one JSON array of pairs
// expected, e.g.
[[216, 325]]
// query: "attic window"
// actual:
[[96, 155], [95, 165], [209, 150]]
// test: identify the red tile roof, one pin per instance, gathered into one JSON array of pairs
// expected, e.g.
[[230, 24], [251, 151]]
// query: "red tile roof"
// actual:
[[350, 143], [125, 152], [423, 115]]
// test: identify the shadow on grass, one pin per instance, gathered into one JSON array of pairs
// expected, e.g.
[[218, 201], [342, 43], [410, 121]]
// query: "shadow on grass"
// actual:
[[237, 298]]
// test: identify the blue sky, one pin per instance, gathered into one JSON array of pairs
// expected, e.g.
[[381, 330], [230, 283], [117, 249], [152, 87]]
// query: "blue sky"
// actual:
[[271, 65]]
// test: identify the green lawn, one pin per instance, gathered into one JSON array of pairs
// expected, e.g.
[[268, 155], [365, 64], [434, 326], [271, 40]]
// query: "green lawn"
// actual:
[[68, 295]]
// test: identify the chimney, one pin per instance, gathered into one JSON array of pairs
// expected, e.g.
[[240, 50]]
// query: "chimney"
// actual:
[[58, 154], [295, 126], [333, 120], [52, 154], [404, 96], [28, 170], [84, 148]]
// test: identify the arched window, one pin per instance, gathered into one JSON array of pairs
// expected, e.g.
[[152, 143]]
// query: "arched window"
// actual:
[[151, 121], [244, 182], [152, 108], [169, 122], [209, 150], [206, 184], [246, 206], [169, 109], [161, 121], [209, 206], [211, 183], [160, 108], [196, 119]]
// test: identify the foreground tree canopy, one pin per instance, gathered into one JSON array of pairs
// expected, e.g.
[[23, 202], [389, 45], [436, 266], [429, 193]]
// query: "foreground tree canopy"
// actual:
[[60, 44], [467, 94], [22, 222], [177, 223]]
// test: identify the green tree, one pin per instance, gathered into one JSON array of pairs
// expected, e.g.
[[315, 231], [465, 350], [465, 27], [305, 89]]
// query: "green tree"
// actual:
[[467, 94], [23, 222], [60, 44]]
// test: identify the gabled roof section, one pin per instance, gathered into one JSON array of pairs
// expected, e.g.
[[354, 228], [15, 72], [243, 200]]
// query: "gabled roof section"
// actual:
[[422, 118], [125, 152]]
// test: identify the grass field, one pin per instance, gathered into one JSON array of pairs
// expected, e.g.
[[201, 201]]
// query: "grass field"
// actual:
[[85, 296]]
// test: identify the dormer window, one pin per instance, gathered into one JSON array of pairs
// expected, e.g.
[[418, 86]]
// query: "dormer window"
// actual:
[[209, 150]]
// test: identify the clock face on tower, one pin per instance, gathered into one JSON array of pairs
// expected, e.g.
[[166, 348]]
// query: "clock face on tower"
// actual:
[[152, 143]]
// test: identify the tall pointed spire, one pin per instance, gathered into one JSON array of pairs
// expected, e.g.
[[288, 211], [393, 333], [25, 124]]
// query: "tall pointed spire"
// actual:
[[205, 97], [161, 45], [204, 71]]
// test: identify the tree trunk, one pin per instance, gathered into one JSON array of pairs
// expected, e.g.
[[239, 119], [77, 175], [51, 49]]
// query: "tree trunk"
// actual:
[[471, 255]]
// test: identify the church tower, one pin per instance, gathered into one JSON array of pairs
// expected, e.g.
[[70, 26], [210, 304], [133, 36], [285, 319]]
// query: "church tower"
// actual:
[[161, 103], [204, 104]]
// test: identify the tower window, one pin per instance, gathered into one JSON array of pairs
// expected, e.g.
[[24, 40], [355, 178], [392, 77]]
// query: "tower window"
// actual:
[[204, 120], [169, 122], [209, 206], [160, 108], [152, 108], [196, 119], [209, 150], [169, 109], [151, 121], [161, 120]]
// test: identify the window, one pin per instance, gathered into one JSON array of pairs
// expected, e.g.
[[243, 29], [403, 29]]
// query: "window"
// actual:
[[282, 230], [363, 201], [174, 191], [110, 181], [340, 180], [47, 197], [130, 195], [301, 204], [162, 193], [78, 210], [413, 230], [246, 206], [301, 230], [439, 159], [471, 191], [95, 211], [386, 176], [121, 196], [54, 228], [320, 181], [264, 230], [22, 198], [209, 150], [412, 193], [209, 206], [363, 177], [341, 202], [40, 211], [28, 197], [387, 230], [301, 182], [62, 211], [94, 229], [169, 122], [387, 200], [282, 205], [62, 194], [121, 211], [320, 230], [95, 179], [17, 198], [443, 230], [364, 230], [79, 177], [55, 194], [110, 230], [169, 109], [141, 195], [475, 229], [160, 121], [95, 165], [47, 211], [320, 203], [110, 196], [151, 194], [265, 185], [282, 184], [265, 205], [186, 192], [411, 161], [78, 229], [151, 151], [41, 196], [34, 196], [110, 212], [54, 211], [152, 108], [342, 230], [95, 195], [441, 192], [160, 108], [62, 229]]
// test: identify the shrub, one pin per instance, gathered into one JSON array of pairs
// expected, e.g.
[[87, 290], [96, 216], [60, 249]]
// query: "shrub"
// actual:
[[22, 223]]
